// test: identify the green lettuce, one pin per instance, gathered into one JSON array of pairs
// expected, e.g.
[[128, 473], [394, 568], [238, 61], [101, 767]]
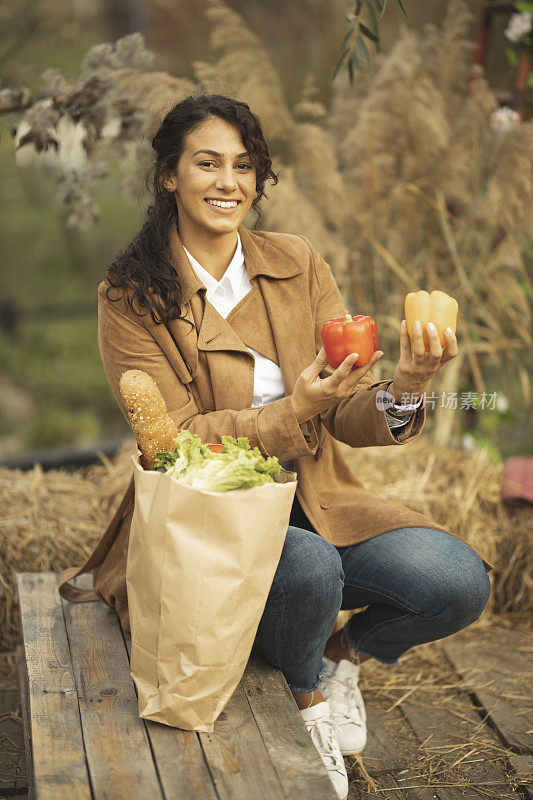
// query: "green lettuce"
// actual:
[[238, 466]]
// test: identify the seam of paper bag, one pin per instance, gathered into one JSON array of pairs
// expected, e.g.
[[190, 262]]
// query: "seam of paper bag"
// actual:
[[201, 577], [163, 572]]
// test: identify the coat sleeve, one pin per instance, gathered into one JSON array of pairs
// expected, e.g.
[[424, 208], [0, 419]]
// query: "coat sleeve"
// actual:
[[126, 343], [358, 420]]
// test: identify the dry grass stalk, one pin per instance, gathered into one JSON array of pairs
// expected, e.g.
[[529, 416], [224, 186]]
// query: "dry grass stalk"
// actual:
[[434, 194], [53, 520], [402, 183], [462, 491]]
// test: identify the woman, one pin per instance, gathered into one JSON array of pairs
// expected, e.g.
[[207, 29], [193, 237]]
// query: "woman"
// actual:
[[227, 321]]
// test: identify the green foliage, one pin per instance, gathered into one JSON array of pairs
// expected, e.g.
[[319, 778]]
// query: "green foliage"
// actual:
[[57, 425], [486, 443], [354, 51], [524, 7], [488, 434], [512, 56], [54, 357], [61, 360]]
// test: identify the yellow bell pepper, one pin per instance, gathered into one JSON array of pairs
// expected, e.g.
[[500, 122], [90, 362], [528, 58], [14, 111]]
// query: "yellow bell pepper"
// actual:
[[437, 307]]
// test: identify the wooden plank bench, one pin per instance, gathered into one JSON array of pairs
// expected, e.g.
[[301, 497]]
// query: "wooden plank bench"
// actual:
[[86, 741], [501, 677]]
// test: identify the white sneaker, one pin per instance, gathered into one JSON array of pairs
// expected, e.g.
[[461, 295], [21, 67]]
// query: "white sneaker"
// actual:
[[347, 709], [320, 727]]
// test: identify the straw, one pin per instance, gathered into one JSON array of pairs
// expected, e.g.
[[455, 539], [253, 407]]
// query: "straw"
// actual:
[[52, 520]]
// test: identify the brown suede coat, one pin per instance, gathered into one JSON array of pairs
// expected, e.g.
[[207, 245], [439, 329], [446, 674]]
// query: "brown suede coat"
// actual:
[[205, 374]]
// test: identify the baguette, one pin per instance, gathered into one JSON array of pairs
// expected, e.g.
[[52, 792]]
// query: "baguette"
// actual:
[[147, 413]]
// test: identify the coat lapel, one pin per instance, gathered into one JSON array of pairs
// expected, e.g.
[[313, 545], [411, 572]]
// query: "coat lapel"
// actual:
[[283, 285], [249, 320], [214, 333], [217, 334]]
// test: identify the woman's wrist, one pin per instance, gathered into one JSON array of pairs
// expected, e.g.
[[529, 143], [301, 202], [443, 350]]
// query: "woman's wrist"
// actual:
[[302, 414], [297, 412], [402, 397]]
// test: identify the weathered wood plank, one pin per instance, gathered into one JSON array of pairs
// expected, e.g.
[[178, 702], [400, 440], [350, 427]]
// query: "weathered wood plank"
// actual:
[[236, 754], [523, 768], [459, 741], [22, 676], [118, 751], [59, 765], [236, 757], [391, 746], [499, 677], [381, 754], [296, 760], [394, 787], [13, 779], [179, 758], [180, 762]]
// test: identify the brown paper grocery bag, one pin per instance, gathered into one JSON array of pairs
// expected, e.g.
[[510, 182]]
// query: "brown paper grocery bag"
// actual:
[[199, 570]]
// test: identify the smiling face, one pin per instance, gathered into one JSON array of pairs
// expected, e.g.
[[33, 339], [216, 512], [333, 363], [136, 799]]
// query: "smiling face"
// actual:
[[214, 183]]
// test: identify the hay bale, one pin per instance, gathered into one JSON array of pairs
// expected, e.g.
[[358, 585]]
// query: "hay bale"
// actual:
[[52, 520], [461, 489]]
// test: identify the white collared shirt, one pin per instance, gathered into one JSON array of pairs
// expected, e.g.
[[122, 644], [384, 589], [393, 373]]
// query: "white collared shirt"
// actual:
[[224, 296]]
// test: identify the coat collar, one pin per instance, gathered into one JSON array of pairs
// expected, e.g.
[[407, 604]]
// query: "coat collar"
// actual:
[[262, 257]]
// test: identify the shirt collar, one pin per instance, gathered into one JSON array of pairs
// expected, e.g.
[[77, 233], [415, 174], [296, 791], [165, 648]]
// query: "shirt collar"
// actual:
[[232, 276]]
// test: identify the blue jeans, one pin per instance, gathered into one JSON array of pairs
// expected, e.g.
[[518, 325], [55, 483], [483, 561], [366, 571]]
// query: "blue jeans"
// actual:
[[419, 585]]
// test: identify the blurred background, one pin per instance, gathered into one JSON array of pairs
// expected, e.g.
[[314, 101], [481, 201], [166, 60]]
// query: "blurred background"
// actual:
[[416, 175]]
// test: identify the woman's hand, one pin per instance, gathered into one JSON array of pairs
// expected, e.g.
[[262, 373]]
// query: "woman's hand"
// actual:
[[414, 370], [312, 394]]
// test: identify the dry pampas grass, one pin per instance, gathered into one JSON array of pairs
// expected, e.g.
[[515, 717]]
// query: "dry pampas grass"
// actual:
[[411, 188], [436, 198], [52, 520], [402, 183], [244, 70]]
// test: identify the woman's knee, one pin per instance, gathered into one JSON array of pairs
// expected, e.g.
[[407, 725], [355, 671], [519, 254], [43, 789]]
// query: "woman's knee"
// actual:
[[310, 566], [462, 594]]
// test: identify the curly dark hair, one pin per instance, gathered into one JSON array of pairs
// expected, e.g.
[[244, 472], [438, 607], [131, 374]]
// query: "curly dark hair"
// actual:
[[143, 271]]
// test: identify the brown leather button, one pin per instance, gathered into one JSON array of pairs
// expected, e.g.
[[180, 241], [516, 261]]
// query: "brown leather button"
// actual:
[[323, 503]]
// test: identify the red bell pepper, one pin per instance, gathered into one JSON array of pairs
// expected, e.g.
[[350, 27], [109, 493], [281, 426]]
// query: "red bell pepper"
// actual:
[[344, 335], [216, 448]]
